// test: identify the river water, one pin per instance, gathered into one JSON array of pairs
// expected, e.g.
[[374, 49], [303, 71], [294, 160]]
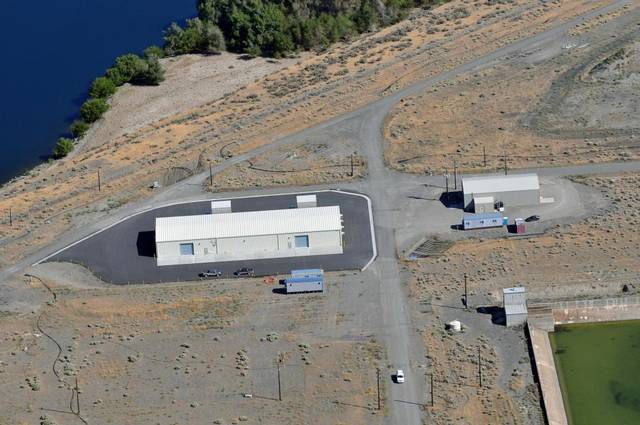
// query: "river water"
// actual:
[[52, 50], [599, 369]]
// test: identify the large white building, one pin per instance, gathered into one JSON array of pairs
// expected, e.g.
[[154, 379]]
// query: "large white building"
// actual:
[[226, 236], [483, 192]]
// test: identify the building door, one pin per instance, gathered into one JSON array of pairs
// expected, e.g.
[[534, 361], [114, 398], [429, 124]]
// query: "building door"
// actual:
[[186, 249], [302, 241]]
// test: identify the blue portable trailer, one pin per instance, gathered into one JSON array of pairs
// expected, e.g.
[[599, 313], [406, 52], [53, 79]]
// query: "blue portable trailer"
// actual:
[[304, 284], [305, 280], [483, 221]]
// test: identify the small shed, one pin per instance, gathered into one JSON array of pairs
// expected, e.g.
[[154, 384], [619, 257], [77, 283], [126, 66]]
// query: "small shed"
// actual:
[[483, 204], [220, 207], [306, 201], [520, 226], [515, 305]]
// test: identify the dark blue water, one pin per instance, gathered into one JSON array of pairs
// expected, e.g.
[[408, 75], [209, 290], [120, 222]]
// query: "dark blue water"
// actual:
[[51, 51]]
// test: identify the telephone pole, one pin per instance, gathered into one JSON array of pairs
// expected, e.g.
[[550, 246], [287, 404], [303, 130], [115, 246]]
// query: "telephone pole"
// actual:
[[484, 155], [77, 398], [466, 294], [351, 166], [480, 366], [279, 386], [210, 174], [505, 163], [10, 218], [431, 390], [378, 375], [446, 182], [99, 182], [455, 175]]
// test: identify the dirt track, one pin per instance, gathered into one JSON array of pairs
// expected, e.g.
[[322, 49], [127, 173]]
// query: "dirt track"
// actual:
[[572, 102]]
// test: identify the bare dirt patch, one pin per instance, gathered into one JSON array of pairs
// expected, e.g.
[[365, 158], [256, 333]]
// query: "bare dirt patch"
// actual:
[[190, 82], [299, 165], [170, 353], [569, 104]]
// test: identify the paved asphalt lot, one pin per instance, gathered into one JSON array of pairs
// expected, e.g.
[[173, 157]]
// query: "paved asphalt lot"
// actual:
[[124, 253]]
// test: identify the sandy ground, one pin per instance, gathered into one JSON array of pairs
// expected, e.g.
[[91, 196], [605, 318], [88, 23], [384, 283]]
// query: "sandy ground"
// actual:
[[596, 257], [305, 164], [191, 81], [57, 197], [570, 104], [185, 353]]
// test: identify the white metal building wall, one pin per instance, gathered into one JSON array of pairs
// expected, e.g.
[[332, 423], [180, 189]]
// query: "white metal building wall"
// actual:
[[249, 247]]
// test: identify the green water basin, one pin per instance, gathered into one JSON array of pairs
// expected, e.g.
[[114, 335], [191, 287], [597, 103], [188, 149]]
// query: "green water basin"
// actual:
[[598, 367]]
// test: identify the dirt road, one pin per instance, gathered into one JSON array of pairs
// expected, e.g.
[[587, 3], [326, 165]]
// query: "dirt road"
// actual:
[[385, 187]]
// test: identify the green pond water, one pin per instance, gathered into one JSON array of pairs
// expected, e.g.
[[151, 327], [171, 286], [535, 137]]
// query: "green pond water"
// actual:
[[599, 369]]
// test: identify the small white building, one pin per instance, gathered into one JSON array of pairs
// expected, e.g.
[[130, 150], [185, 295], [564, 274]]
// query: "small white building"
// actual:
[[515, 305], [218, 207], [248, 235], [306, 201], [511, 190]]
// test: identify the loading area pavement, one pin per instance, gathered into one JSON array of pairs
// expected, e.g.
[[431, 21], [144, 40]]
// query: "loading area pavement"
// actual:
[[125, 252]]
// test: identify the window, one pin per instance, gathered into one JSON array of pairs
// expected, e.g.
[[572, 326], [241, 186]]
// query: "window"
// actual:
[[186, 249], [302, 241]]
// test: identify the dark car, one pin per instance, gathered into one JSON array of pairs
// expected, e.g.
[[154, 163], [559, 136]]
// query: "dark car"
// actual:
[[532, 218], [211, 273], [245, 271]]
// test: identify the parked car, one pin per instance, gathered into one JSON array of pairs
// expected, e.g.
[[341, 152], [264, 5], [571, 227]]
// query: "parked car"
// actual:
[[213, 273], [245, 271], [400, 376], [534, 217]]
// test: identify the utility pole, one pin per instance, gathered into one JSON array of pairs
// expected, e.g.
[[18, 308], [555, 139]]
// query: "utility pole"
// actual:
[[480, 366], [10, 218], [77, 398], [484, 155], [432, 390], [210, 174], [279, 386], [378, 374], [505, 163], [99, 182], [466, 294], [446, 181], [351, 166], [455, 175]]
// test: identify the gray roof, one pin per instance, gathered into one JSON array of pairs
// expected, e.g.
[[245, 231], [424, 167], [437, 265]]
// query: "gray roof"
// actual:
[[500, 183]]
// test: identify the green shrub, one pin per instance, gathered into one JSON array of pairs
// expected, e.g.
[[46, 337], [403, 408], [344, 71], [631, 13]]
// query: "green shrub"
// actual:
[[212, 40], [154, 52], [197, 37], [102, 87], [93, 109], [152, 75], [63, 147], [125, 68], [78, 128]]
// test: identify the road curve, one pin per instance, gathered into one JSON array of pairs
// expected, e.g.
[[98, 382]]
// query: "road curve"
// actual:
[[364, 125]]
